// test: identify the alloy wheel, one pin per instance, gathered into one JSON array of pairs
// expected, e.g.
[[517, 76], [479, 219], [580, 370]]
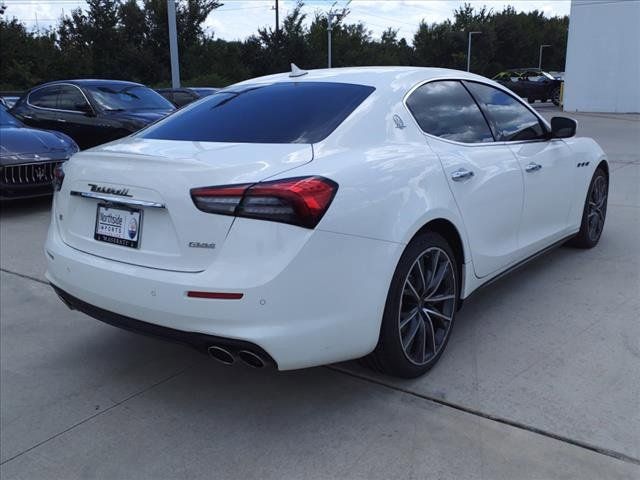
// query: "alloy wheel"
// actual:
[[427, 306], [597, 207]]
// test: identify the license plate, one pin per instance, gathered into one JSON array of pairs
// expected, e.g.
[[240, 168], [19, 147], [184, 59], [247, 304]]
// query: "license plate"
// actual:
[[118, 225]]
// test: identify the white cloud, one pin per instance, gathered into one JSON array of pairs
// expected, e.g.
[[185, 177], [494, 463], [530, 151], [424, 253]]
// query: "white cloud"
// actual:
[[238, 19]]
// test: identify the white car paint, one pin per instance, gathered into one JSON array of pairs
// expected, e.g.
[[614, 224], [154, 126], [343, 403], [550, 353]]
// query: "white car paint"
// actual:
[[312, 296]]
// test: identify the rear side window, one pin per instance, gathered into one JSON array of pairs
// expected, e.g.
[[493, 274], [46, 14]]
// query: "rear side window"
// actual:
[[287, 112], [445, 109], [70, 98], [46, 97], [512, 120]]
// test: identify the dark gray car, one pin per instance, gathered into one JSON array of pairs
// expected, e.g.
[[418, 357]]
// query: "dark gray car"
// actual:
[[28, 157]]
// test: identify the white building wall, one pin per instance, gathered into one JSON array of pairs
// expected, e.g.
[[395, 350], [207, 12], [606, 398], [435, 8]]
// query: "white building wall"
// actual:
[[602, 72]]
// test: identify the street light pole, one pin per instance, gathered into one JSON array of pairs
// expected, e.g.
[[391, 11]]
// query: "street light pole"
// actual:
[[173, 44], [540, 57], [469, 49], [329, 30]]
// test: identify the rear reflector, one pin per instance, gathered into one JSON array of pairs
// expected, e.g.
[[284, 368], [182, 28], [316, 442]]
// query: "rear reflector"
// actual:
[[218, 295], [298, 201]]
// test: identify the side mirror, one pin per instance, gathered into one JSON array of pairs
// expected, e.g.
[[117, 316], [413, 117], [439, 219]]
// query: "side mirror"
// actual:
[[563, 127]]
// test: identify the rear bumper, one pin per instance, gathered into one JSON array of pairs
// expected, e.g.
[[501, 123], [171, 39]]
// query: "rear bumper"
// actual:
[[199, 341], [320, 304]]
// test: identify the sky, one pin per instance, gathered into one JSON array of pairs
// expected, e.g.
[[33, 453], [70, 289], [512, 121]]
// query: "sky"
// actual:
[[238, 19]]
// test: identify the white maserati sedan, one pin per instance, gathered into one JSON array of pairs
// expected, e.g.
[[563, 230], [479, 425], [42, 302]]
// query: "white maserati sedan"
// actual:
[[306, 218]]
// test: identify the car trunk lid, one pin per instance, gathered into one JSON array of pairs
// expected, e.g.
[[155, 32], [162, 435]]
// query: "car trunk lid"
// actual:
[[152, 179]]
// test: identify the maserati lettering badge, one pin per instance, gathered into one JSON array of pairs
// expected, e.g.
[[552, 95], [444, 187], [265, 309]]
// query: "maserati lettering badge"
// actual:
[[123, 192], [202, 245]]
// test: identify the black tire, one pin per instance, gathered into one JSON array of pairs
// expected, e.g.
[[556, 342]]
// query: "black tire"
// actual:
[[555, 96], [427, 254], [595, 209]]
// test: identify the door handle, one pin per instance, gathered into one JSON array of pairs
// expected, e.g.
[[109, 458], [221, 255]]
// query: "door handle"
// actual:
[[461, 174], [27, 116], [61, 120], [533, 167]]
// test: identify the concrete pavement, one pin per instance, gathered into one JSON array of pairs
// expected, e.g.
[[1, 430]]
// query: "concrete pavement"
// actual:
[[541, 378]]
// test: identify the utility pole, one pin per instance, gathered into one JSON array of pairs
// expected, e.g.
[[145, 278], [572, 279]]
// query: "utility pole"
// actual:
[[329, 30], [469, 49], [540, 57], [277, 18], [173, 44]]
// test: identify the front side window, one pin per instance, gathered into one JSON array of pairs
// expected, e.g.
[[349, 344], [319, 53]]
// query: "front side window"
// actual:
[[126, 97], [445, 109], [283, 112], [512, 121], [70, 98], [46, 97]]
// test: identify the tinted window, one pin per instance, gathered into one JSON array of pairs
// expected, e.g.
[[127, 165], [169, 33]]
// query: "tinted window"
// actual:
[[512, 120], [287, 112], [46, 97], [182, 98], [446, 109], [70, 98], [128, 97]]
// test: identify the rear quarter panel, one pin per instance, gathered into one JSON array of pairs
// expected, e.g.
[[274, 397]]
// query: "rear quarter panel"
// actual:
[[390, 182]]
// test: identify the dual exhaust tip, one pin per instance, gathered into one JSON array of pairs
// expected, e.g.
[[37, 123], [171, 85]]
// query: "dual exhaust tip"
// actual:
[[224, 355]]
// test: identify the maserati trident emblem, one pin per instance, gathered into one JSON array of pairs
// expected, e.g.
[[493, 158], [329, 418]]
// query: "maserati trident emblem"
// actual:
[[399, 122], [122, 192], [39, 173]]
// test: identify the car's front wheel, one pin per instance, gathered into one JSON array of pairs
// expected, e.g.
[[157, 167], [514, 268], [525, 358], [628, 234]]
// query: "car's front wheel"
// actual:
[[594, 212], [420, 309], [555, 96]]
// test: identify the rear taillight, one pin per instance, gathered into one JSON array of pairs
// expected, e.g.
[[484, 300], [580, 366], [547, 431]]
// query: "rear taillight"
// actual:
[[299, 201], [58, 178]]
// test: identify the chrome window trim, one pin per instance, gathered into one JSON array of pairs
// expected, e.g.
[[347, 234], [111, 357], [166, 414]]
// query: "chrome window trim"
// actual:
[[478, 144], [58, 109]]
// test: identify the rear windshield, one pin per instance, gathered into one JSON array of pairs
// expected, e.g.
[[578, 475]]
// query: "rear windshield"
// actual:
[[114, 97], [288, 112]]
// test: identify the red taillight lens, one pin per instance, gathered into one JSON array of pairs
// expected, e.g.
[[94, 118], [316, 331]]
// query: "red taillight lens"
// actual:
[[299, 201], [58, 178]]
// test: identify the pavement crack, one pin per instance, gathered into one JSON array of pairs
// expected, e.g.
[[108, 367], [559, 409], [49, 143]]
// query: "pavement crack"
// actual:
[[24, 275], [505, 421], [91, 417]]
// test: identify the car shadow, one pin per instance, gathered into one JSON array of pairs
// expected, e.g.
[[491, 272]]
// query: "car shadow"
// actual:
[[26, 206]]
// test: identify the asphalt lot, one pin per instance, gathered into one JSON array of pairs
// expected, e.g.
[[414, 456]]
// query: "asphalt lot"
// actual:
[[541, 378]]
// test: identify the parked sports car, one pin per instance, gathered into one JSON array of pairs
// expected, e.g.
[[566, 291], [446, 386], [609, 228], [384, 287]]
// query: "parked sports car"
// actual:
[[532, 84], [314, 217], [91, 112], [29, 157], [183, 96]]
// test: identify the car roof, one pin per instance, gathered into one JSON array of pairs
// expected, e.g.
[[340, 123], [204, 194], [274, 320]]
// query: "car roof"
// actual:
[[91, 82], [395, 78]]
